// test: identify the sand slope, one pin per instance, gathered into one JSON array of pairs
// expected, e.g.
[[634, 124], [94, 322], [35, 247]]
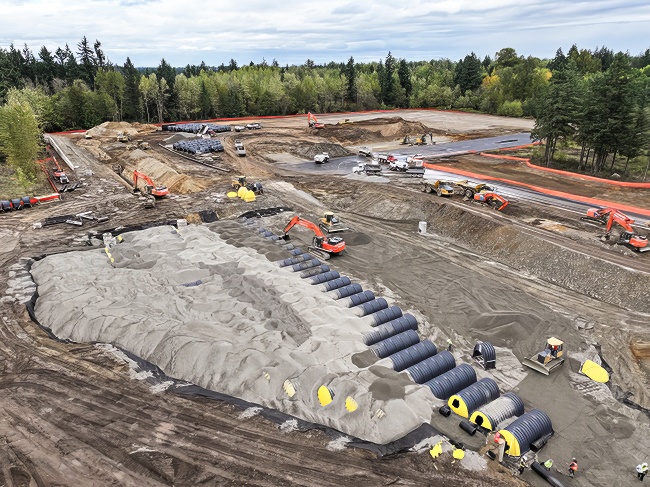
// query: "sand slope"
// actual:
[[246, 328]]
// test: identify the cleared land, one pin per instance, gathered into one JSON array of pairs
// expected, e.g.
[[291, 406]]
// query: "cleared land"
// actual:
[[511, 279]]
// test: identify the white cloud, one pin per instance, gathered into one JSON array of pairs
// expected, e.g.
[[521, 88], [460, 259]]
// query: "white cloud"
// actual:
[[189, 31]]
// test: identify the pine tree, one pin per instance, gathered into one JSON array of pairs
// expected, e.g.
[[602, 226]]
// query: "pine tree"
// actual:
[[88, 62]]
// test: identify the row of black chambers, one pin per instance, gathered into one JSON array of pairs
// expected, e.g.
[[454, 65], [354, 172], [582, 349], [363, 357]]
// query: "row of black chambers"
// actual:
[[394, 335]]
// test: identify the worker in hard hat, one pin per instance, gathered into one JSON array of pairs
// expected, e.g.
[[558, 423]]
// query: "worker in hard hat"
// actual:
[[522, 466], [450, 345], [641, 470], [573, 468], [548, 464]]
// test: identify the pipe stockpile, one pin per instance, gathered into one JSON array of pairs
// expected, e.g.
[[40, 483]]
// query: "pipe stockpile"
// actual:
[[195, 128], [198, 146]]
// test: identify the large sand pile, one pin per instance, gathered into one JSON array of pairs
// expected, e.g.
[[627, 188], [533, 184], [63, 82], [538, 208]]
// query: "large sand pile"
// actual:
[[244, 329], [111, 129]]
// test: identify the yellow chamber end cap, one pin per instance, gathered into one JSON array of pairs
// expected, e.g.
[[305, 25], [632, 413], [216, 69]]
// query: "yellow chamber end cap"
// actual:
[[595, 372], [458, 454], [436, 451], [350, 404], [231, 194], [289, 388], [325, 395]]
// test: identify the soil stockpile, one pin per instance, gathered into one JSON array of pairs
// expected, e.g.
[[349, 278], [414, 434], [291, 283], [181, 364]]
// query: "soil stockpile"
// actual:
[[206, 308]]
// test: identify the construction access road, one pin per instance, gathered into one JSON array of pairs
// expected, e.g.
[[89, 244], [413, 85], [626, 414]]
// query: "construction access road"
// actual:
[[344, 165], [76, 413]]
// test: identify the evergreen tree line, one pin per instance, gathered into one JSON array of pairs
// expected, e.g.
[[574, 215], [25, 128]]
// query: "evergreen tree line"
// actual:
[[592, 97], [605, 112]]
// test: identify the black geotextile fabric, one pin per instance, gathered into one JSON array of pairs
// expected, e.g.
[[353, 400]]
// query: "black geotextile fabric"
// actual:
[[265, 212], [182, 388]]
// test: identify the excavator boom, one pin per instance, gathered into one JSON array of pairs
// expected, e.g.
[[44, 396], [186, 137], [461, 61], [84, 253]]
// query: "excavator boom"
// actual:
[[611, 216], [331, 245], [157, 191], [313, 122], [495, 200]]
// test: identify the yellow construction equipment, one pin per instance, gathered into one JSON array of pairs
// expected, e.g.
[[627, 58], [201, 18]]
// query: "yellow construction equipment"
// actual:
[[548, 359]]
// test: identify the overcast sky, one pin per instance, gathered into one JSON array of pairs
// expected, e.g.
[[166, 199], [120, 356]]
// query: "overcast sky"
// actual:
[[189, 31]]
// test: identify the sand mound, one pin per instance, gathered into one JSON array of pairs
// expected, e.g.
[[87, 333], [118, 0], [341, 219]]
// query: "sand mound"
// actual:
[[377, 129], [111, 129], [226, 318], [161, 173]]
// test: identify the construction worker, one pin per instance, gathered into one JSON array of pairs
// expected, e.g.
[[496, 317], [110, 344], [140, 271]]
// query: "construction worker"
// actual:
[[522, 466], [641, 470], [548, 464], [573, 468], [450, 345]]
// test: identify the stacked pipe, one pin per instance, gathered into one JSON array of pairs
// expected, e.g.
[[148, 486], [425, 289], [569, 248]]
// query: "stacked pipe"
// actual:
[[198, 146], [383, 316], [295, 260], [195, 128]]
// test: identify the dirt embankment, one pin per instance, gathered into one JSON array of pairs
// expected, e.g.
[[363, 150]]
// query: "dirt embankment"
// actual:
[[378, 129]]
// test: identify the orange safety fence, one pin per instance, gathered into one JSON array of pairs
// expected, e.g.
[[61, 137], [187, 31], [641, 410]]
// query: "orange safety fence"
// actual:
[[583, 177], [550, 192], [42, 163]]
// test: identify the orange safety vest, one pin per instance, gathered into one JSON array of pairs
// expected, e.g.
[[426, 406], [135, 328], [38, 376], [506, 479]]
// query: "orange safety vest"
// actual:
[[573, 466]]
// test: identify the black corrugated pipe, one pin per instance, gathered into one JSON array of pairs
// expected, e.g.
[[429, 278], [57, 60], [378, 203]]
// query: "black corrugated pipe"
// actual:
[[452, 381], [432, 367], [545, 474]]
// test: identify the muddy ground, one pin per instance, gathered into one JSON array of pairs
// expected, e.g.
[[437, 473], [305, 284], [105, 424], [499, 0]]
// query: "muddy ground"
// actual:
[[74, 414]]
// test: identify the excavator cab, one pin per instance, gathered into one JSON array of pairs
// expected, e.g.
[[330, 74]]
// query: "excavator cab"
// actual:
[[322, 246]]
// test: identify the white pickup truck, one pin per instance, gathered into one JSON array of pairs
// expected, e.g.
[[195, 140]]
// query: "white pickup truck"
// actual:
[[321, 158], [398, 165]]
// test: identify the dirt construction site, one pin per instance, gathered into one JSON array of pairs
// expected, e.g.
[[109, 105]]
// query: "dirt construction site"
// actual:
[[166, 331]]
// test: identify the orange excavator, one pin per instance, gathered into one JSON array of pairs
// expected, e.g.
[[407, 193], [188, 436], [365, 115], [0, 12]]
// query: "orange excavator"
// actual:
[[313, 122], [322, 246], [150, 188], [494, 200], [610, 216]]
